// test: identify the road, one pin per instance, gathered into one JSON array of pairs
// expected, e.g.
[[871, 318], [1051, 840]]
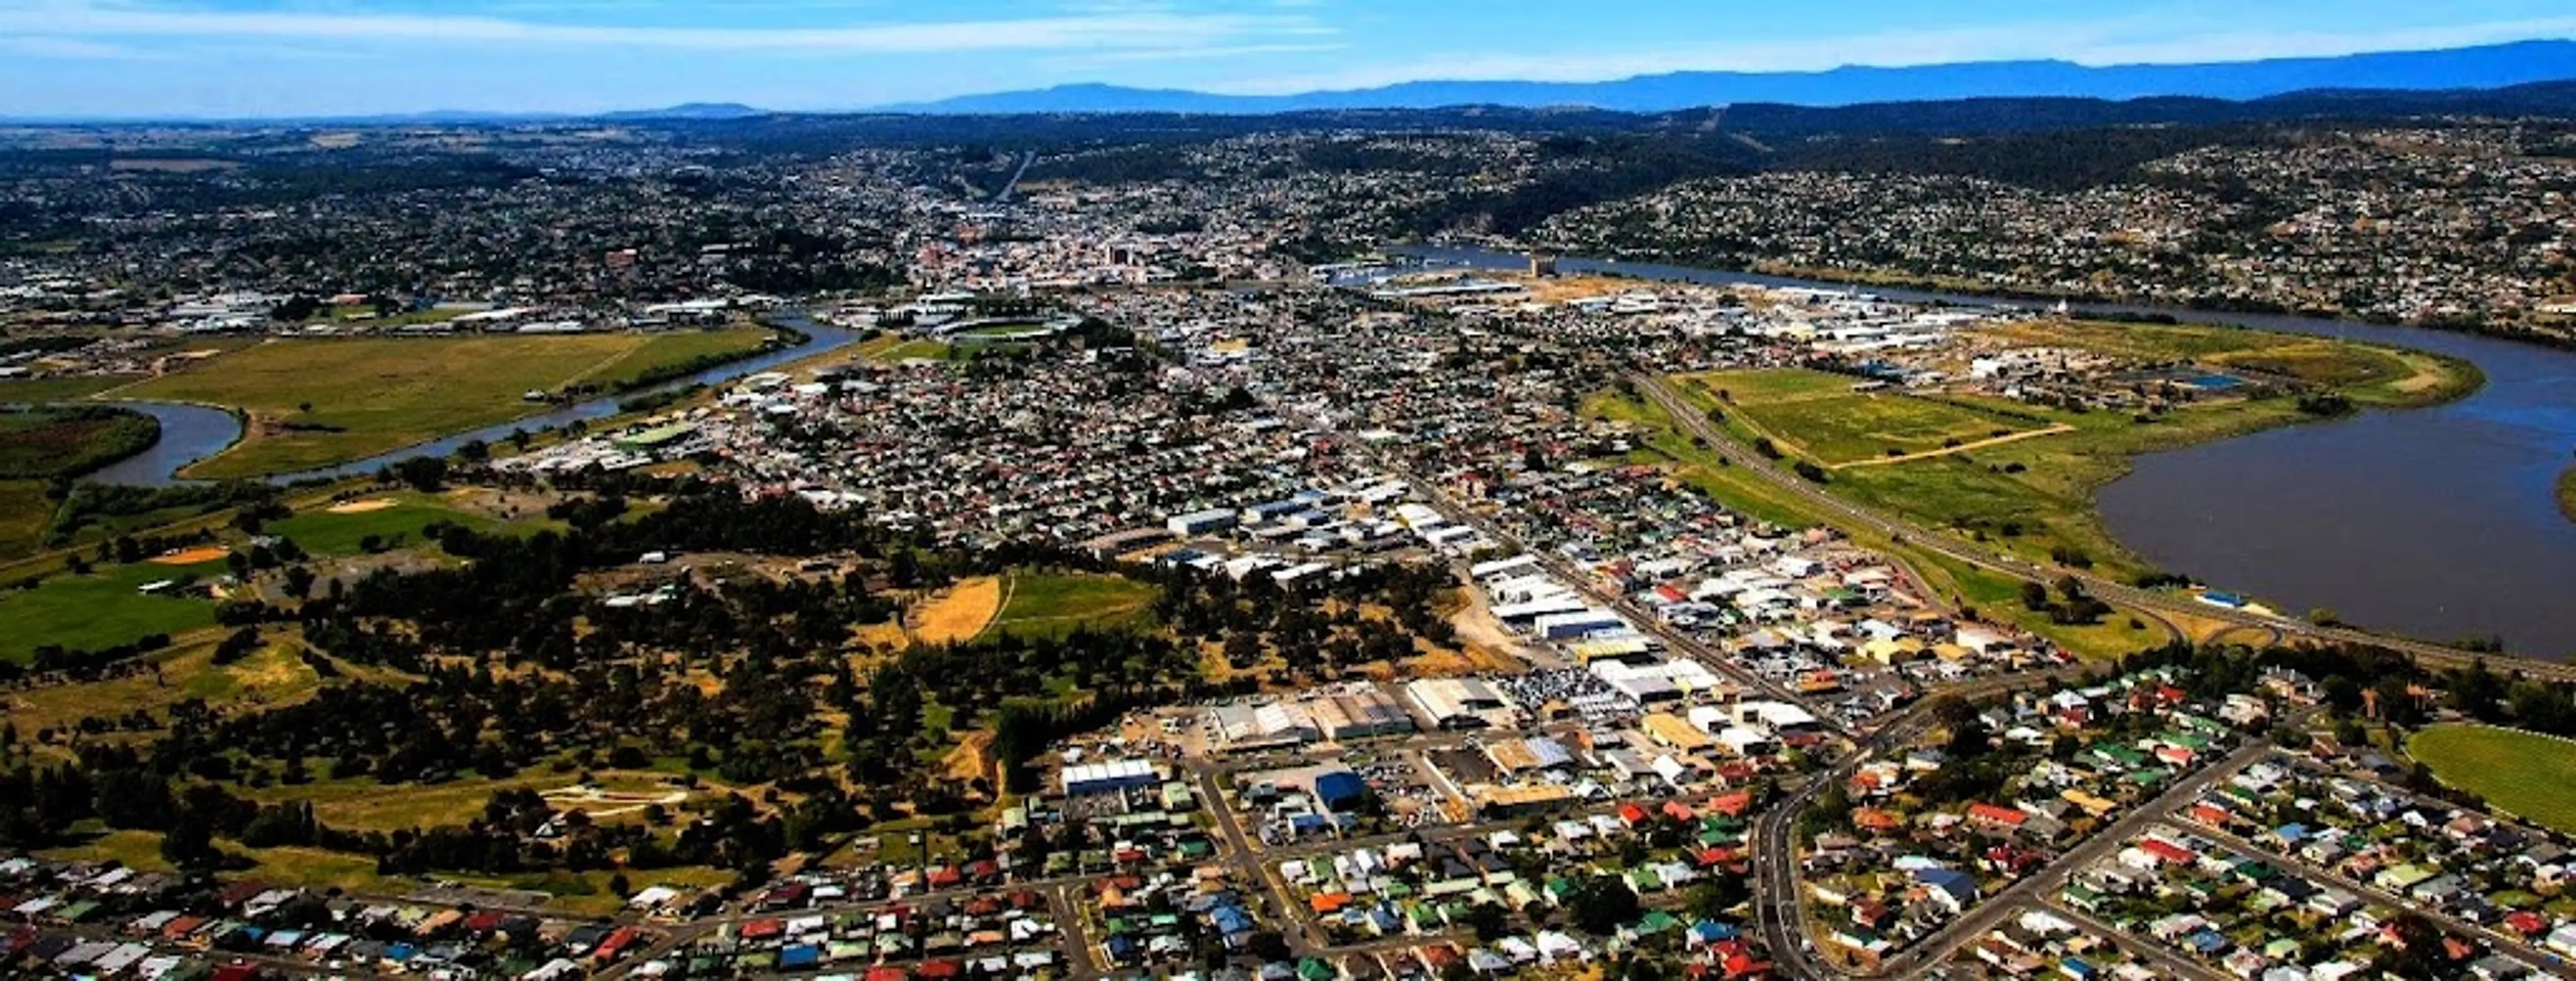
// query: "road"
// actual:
[[2166, 960], [1992, 909], [1591, 587], [1850, 515], [1780, 909], [2317, 873]]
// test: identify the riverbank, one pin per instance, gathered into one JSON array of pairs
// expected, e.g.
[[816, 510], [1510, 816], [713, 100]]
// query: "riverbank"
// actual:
[[1886, 279], [2567, 493], [40, 446], [2026, 478], [1664, 444], [2437, 522], [312, 404]]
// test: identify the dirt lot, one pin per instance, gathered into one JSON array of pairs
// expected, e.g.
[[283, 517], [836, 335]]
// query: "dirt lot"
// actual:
[[194, 556]]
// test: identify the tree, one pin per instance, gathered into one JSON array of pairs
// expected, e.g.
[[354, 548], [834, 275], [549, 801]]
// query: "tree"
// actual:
[[190, 843], [1489, 921], [1600, 904], [299, 582], [423, 473], [1268, 945], [2034, 597]]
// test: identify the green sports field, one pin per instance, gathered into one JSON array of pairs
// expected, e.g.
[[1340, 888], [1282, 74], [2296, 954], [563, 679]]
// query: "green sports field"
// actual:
[[1047, 604], [325, 532], [2527, 774], [102, 609]]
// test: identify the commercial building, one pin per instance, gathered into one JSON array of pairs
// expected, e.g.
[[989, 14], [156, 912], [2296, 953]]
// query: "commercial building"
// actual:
[[1201, 522], [1457, 703], [1109, 776], [1359, 715]]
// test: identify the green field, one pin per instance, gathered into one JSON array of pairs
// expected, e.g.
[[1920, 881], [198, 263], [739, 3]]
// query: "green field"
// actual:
[[320, 531], [272, 676], [368, 396], [1738, 489], [101, 609], [366, 805], [2567, 493], [902, 350], [70, 441], [578, 893], [680, 348], [2033, 495], [2526, 774], [1817, 416], [2368, 374], [25, 513], [1022, 330], [1052, 604], [38, 390]]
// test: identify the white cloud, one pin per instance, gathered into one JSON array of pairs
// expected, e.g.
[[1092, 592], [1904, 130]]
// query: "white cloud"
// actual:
[[70, 49], [1134, 30], [1189, 54]]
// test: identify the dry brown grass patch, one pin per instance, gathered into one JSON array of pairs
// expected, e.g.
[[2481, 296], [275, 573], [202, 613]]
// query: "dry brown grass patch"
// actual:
[[960, 613]]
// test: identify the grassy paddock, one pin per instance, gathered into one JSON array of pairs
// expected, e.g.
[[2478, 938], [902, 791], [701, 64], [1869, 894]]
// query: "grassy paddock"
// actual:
[[44, 443], [36, 390], [102, 609], [907, 350], [2527, 774], [324, 532], [25, 513], [273, 677], [366, 805], [1817, 415], [373, 395]]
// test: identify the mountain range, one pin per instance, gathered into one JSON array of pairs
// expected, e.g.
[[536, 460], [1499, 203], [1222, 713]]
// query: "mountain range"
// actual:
[[2525, 76], [2486, 67]]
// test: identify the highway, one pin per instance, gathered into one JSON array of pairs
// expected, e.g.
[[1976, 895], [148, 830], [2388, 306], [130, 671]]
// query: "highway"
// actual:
[[1849, 515]]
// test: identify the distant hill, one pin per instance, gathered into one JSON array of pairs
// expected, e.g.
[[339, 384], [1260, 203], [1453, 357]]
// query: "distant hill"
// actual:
[[693, 110], [2488, 67]]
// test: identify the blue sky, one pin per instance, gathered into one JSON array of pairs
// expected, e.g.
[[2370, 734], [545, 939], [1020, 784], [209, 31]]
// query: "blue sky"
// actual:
[[301, 57]]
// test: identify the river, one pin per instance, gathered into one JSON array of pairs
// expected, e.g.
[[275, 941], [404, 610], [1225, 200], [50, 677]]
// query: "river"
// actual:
[[2438, 523], [190, 433]]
